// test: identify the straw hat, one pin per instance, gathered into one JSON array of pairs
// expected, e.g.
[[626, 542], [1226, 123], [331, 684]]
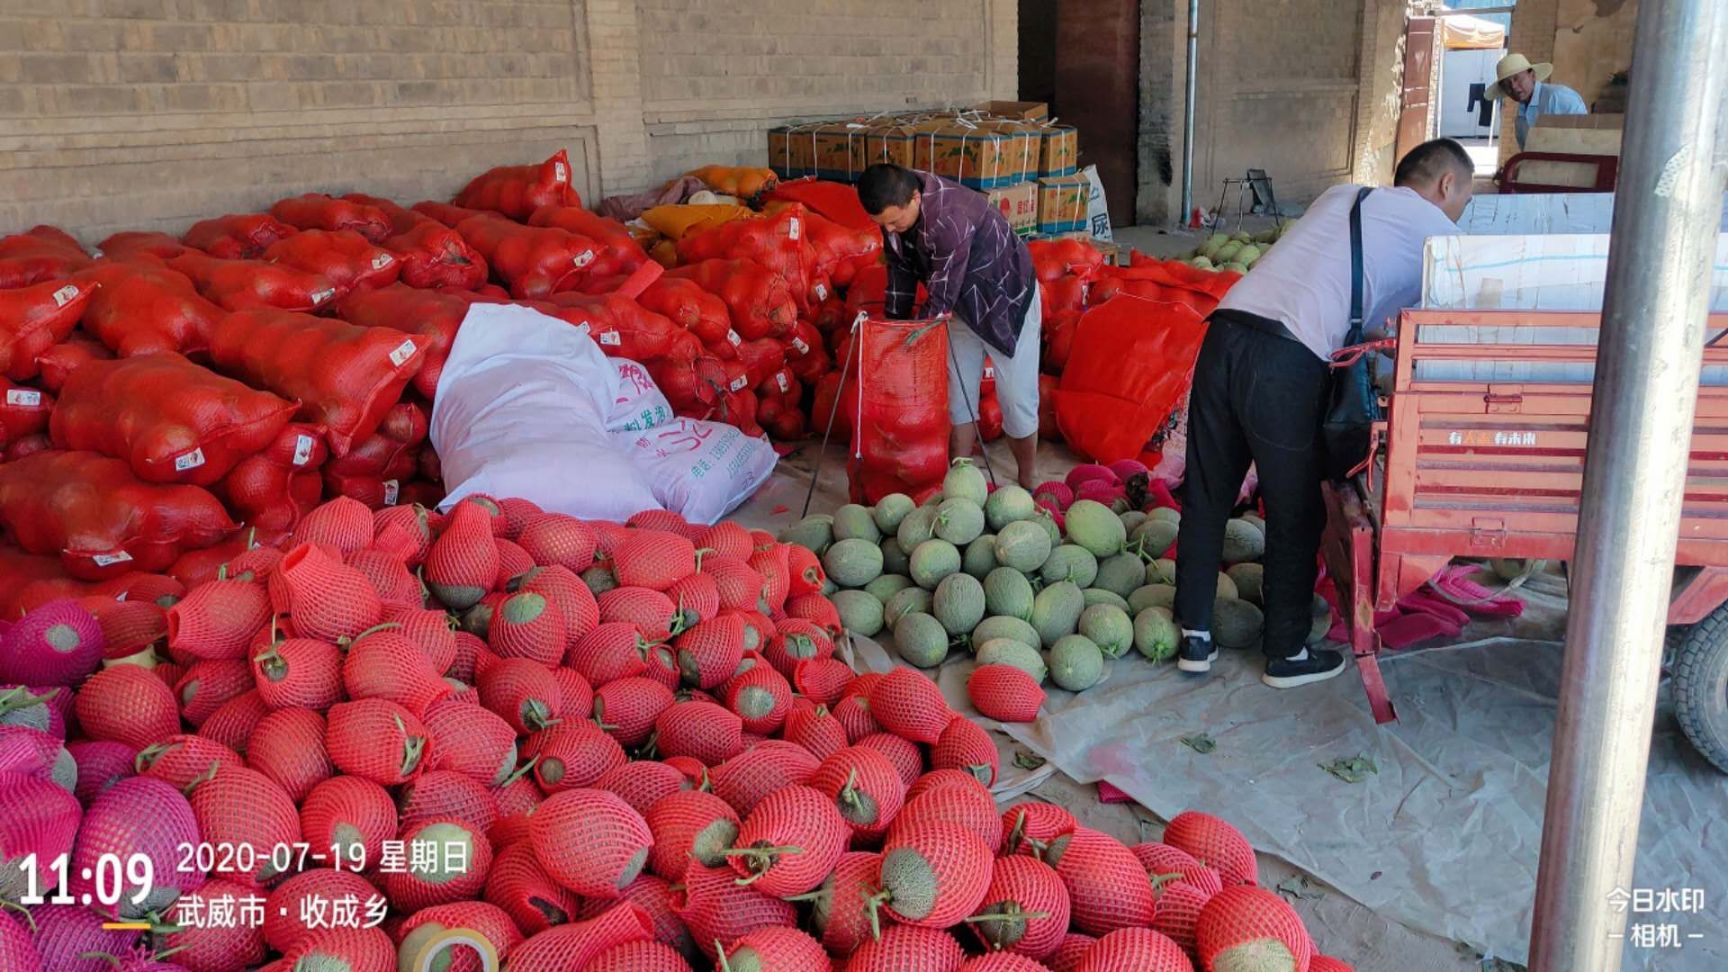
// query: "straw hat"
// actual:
[[1513, 64]]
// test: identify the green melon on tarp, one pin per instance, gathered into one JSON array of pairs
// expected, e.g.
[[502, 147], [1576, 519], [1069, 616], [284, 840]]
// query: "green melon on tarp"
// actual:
[[1248, 579], [888, 585], [1012, 651], [1121, 574], [1076, 664], [853, 563], [1010, 503], [1023, 545], [958, 603], [854, 522], [1056, 611], [932, 561], [959, 521], [1161, 571], [1008, 592], [1070, 562], [1109, 628], [860, 612], [894, 559], [964, 481], [1152, 595], [890, 510], [1004, 626], [912, 600], [1098, 595], [918, 526], [1155, 634], [1243, 541], [1095, 527], [921, 639], [1154, 537], [1236, 623], [979, 558], [814, 533]]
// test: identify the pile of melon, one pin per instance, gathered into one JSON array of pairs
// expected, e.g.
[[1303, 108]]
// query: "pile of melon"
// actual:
[[1235, 251]]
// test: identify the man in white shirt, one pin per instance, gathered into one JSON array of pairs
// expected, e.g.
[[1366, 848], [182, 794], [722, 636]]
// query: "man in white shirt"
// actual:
[[1261, 389], [1527, 85]]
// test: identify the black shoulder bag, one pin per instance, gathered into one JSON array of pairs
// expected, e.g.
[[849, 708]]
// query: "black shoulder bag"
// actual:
[[1354, 406]]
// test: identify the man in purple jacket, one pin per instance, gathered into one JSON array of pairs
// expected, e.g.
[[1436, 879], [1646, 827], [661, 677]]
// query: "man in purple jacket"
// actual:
[[949, 238]]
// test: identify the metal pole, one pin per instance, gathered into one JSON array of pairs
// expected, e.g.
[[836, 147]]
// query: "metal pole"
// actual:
[[1188, 113], [1647, 362]]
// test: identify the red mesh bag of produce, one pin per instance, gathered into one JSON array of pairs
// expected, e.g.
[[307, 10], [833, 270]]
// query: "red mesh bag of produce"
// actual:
[[836, 201], [434, 255], [99, 518], [171, 420], [761, 359], [1131, 363], [757, 298], [691, 386], [43, 253], [619, 253], [1053, 258], [236, 236], [1065, 293], [343, 257], [247, 284], [270, 496], [317, 211], [518, 190], [134, 244], [446, 213], [19, 570], [141, 309], [57, 364], [692, 308], [622, 327], [780, 242], [838, 250], [344, 377], [533, 261], [900, 435], [806, 354], [35, 318], [434, 315], [23, 412]]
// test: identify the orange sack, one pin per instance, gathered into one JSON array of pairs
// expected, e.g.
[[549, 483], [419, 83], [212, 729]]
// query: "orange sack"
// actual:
[[247, 284], [343, 257]]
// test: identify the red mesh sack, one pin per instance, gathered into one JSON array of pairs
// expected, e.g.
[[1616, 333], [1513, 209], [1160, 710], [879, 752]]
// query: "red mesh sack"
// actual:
[[1052, 259], [23, 412], [692, 387], [838, 251], [434, 315], [901, 433], [344, 377], [101, 519], [836, 201], [173, 421], [806, 354], [619, 253], [1131, 364], [343, 257], [236, 236], [780, 243], [518, 190], [316, 211], [34, 318], [434, 255], [690, 307], [139, 309], [758, 299], [58, 363], [532, 261], [1249, 927], [41, 254], [621, 326], [446, 213], [248, 284], [132, 244]]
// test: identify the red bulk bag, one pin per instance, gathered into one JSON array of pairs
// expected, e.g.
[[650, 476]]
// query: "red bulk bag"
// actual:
[[619, 251], [171, 420], [806, 354], [23, 411], [236, 236], [27, 446], [836, 201], [533, 261], [447, 214], [273, 489], [431, 314], [690, 307], [1059, 331], [43, 253], [434, 255], [400, 218], [1131, 364], [343, 257], [58, 363], [692, 387], [900, 433], [99, 518], [19, 570], [1049, 392], [757, 298], [1053, 258], [839, 251], [622, 327], [141, 309], [518, 190], [826, 401], [761, 358], [317, 211], [1065, 293], [248, 284], [780, 242], [344, 377], [130, 244], [35, 318]]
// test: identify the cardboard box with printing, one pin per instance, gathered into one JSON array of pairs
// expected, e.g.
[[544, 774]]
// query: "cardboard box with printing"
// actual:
[[1062, 203], [1018, 204], [1060, 154], [972, 154]]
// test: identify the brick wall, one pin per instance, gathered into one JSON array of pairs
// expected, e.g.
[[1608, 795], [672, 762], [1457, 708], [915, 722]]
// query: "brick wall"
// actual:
[[154, 113]]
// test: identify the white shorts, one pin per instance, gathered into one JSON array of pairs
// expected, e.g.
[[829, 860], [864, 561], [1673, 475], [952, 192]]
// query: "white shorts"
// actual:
[[1016, 377]]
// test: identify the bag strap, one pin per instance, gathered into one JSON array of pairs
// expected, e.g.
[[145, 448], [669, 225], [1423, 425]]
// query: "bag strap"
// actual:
[[1356, 308]]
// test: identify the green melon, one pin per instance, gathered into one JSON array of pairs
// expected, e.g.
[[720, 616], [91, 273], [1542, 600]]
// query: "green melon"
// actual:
[[1070, 562], [1109, 628], [1003, 626], [1254, 518], [1161, 571], [980, 556], [1023, 545], [1098, 595], [1248, 579], [1154, 537], [1132, 519], [1236, 623], [1155, 634], [1152, 595], [1043, 518], [1008, 592], [1165, 513], [813, 533], [829, 588], [921, 639], [964, 481], [1243, 541], [1076, 664], [890, 510], [888, 585], [854, 522], [958, 603], [1120, 574], [1009, 504], [1227, 587], [912, 600], [853, 563], [959, 521], [894, 558], [860, 612], [1322, 623], [1010, 651], [1096, 527], [1056, 611], [933, 560], [599, 579], [919, 526]]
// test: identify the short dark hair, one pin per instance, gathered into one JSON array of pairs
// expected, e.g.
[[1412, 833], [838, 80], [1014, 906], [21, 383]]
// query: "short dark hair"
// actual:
[[885, 184], [1431, 160]]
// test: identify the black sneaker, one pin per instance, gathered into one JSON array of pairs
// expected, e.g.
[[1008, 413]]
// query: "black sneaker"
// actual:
[[1196, 655], [1319, 666]]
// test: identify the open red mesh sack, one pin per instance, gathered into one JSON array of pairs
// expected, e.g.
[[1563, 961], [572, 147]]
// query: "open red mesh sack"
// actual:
[[693, 387], [619, 253], [434, 315], [42, 253], [622, 327], [99, 518], [901, 428], [236, 236], [1131, 363], [35, 318], [142, 309], [23, 412], [758, 298], [533, 261], [518, 190], [836, 201], [344, 377], [317, 211], [171, 420], [248, 284], [780, 242], [343, 257]]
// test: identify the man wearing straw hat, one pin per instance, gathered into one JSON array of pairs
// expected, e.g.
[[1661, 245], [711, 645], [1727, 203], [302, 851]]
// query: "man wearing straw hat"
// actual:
[[1528, 86]]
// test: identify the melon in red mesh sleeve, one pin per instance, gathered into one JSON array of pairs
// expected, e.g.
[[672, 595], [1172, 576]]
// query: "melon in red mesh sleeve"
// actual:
[[23, 411], [780, 242], [756, 297], [345, 377], [434, 315], [44, 253], [518, 190], [99, 518], [343, 257], [247, 284], [58, 363], [237, 236], [35, 318], [619, 251], [171, 420], [533, 261], [621, 327], [142, 309], [317, 211]]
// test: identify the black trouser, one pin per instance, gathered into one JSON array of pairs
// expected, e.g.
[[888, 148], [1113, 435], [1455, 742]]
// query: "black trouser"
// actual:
[[1258, 397]]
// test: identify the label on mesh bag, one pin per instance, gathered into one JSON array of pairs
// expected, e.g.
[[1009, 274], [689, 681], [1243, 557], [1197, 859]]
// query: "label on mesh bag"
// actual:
[[392, 490], [303, 449], [110, 559], [320, 296], [65, 294], [612, 337], [792, 228], [739, 383], [560, 173], [382, 260], [189, 460], [26, 397], [584, 258], [821, 292], [403, 352], [734, 337], [780, 379], [802, 347]]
